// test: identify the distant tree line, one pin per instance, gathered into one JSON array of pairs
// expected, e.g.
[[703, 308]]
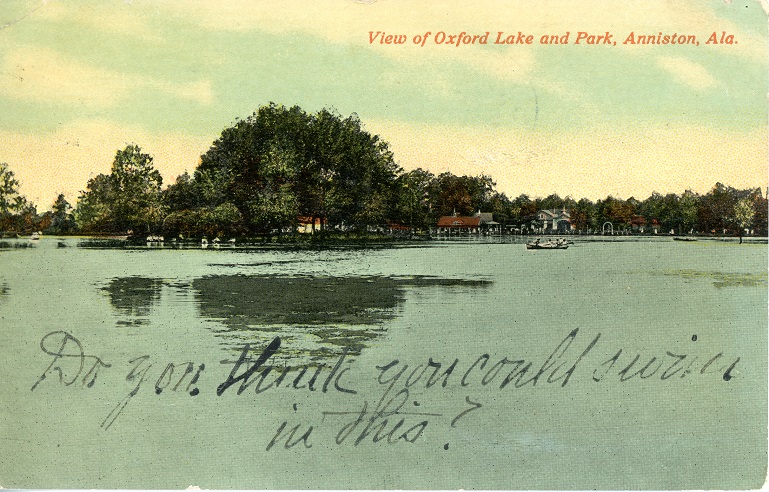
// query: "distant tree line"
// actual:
[[19, 214], [282, 167]]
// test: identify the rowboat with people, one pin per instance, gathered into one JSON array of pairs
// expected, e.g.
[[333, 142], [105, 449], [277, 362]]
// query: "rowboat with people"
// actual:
[[559, 243]]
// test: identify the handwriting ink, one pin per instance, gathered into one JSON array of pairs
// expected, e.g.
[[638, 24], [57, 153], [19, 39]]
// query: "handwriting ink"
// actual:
[[678, 358], [257, 372], [611, 361], [674, 364], [166, 377], [163, 381], [231, 379], [711, 361], [194, 380], [485, 358], [728, 374], [290, 442], [388, 421], [375, 424], [519, 370], [473, 406], [76, 355], [138, 371]]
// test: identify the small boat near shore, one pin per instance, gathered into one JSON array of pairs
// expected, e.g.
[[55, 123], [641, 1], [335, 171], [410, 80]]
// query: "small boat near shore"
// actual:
[[687, 239]]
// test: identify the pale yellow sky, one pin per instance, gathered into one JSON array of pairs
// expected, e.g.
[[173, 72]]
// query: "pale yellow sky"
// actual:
[[80, 80]]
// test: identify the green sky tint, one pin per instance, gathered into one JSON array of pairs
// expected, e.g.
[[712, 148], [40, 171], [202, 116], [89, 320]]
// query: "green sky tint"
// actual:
[[161, 68]]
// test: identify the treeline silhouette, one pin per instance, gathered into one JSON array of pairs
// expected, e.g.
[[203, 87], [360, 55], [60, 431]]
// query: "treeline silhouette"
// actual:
[[282, 169]]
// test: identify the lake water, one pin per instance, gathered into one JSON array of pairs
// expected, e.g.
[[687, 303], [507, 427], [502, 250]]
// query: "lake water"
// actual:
[[614, 364]]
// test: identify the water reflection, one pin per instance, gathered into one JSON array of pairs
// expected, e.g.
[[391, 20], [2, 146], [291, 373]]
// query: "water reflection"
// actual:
[[317, 317], [721, 279], [134, 296], [16, 244]]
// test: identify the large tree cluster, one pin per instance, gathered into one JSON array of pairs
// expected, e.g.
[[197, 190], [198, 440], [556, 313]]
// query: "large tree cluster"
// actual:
[[282, 164], [281, 167]]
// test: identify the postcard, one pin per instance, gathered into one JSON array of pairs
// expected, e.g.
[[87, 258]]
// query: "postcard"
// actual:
[[383, 244]]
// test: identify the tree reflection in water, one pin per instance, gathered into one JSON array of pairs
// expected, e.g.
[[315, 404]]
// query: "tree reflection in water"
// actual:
[[134, 297], [317, 317]]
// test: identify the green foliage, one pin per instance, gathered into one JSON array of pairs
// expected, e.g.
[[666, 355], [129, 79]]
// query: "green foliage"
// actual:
[[583, 215], [411, 199], [93, 212], [761, 209], [282, 163], [744, 213], [16, 213], [618, 212], [461, 194], [62, 221], [137, 190], [128, 198], [184, 194], [9, 191]]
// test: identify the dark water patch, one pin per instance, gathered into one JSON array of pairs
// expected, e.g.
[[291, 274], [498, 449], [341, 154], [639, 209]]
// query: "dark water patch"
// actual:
[[721, 279], [16, 245], [317, 317], [4, 291], [133, 322], [432, 281], [335, 337], [303, 344], [103, 243], [134, 296], [244, 301], [181, 285], [255, 264]]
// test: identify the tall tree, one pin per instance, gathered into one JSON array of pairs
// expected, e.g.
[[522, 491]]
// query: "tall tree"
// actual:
[[716, 210], [743, 215], [687, 211], [16, 212], [183, 194], [137, 186], [62, 221], [411, 199], [126, 199], [583, 215], [9, 191], [761, 217]]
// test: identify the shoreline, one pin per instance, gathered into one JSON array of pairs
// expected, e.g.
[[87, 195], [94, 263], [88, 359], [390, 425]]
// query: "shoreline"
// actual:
[[369, 241]]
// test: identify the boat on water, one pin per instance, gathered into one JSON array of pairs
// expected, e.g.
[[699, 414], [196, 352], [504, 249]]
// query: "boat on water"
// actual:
[[687, 239], [557, 244], [36, 236]]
